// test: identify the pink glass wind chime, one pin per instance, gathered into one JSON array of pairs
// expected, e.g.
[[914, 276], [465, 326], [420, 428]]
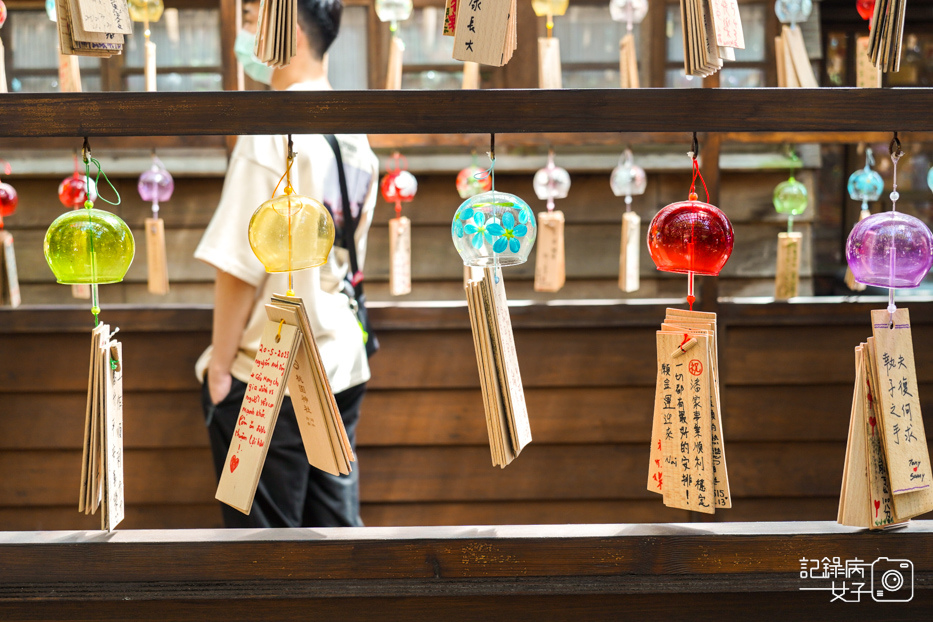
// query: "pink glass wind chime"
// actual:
[[155, 186]]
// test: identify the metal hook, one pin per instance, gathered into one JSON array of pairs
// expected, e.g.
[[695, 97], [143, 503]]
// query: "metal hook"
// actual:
[[895, 148], [291, 148], [695, 147], [85, 150], [492, 146]]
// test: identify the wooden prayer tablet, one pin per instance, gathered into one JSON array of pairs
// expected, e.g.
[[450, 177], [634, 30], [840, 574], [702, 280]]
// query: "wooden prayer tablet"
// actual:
[[629, 254], [549, 70], [258, 413], [497, 362], [695, 336], [101, 485], [903, 435], [394, 70], [399, 256], [9, 276], [156, 260], [550, 271], [287, 356], [787, 275], [485, 31]]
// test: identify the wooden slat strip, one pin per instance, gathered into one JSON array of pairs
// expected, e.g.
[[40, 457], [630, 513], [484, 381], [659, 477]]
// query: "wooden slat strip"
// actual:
[[483, 111]]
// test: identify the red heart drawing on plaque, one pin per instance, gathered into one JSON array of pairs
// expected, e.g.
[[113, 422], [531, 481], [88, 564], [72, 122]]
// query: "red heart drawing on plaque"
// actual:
[[234, 461], [915, 469]]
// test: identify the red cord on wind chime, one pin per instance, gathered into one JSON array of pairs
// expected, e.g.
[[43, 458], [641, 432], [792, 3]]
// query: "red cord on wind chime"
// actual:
[[690, 236], [399, 186]]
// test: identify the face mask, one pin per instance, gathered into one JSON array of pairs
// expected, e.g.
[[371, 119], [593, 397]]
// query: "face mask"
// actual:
[[254, 68]]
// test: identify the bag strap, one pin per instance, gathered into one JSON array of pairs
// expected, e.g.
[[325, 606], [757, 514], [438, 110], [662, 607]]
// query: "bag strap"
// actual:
[[349, 224]]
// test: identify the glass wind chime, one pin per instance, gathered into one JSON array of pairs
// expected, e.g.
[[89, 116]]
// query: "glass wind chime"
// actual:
[[864, 185], [399, 186], [631, 12], [394, 11], [9, 199], [551, 182], [493, 229], [790, 199], [691, 237], [291, 232], [628, 180], [549, 70], [892, 250], [90, 246], [156, 185], [146, 11]]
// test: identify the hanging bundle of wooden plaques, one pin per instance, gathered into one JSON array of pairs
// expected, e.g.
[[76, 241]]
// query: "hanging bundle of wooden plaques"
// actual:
[[712, 31], [102, 456], [156, 185], [688, 459], [790, 53], [628, 180], [92, 28], [886, 37], [276, 32], [484, 31]]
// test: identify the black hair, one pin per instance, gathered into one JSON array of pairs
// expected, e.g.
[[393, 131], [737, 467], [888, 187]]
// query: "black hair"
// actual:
[[320, 21]]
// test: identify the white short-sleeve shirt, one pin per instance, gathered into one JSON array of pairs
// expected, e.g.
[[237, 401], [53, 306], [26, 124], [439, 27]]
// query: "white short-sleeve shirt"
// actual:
[[256, 164]]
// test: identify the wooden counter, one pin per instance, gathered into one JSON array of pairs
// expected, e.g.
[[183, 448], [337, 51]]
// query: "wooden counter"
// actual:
[[582, 572]]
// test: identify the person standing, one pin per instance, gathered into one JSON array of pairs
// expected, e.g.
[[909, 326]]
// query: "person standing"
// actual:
[[291, 493]]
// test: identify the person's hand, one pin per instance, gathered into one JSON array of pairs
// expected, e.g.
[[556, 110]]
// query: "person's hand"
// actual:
[[218, 385]]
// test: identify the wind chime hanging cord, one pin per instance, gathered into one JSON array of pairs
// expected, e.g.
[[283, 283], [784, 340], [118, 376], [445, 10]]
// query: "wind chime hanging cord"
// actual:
[[88, 204], [896, 153], [287, 176]]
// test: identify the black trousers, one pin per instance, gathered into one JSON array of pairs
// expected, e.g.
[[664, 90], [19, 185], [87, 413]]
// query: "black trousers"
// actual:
[[291, 493]]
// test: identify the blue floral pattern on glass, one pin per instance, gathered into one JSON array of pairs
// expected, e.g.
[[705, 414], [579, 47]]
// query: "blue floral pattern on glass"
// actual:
[[494, 229]]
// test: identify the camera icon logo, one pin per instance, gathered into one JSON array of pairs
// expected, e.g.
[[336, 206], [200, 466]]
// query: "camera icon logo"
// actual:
[[892, 580]]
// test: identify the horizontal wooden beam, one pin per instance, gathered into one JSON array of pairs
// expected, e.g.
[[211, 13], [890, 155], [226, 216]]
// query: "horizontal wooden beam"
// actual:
[[515, 573], [456, 112]]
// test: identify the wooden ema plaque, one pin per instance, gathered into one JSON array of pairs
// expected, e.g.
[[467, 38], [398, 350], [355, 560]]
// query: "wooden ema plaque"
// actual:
[[787, 275], [664, 457], [550, 271], [287, 356], [903, 435], [485, 31], [9, 288], [629, 255], [394, 69], [156, 260], [628, 63], [549, 70], [399, 256], [101, 484]]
